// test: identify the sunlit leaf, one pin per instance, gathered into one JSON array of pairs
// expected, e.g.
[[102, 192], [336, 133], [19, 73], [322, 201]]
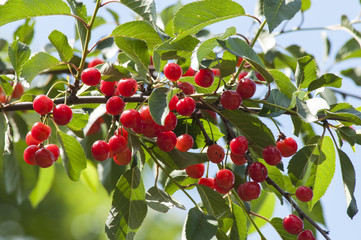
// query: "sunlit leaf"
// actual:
[[38, 63], [215, 204], [60, 42], [43, 185]]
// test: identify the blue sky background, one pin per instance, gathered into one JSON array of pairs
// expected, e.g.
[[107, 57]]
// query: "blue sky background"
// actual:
[[321, 13]]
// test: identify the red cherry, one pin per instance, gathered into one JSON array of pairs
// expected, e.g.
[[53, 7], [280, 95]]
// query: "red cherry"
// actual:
[[186, 87], [195, 171], [216, 72], [258, 172], [150, 130], [225, 178], [117, 144], [306, 235], [249, 191], [29, 154], [95, 62], [238, 159], [108, 88], [184, 142], [145, 115], [40, 131], [173, 103], [287, 147], [62, 114], [130, 118], [186, 106], [242, 75], [272, 155], [204, 77], [91, 76], [292, 224], [220, 189], [304, 194], [209, 182], [122, 132], [246, 88], [166, 141], [189, 73], [100, 150], [124, 157], [43, 104], [18, 91], [44, 158], [172, 71], [30, 140], [54, 149], [127, 87], [170, 122], [115, 105], [2, 98], [215, 153], [239, 61], [231, 100], [260, 77], [239, 145]]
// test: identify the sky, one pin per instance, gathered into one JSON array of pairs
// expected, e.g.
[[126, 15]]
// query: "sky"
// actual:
[[321, 13]]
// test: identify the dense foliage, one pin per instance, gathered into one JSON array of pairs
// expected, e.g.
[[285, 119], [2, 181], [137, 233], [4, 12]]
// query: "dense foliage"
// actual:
[[170, 96]]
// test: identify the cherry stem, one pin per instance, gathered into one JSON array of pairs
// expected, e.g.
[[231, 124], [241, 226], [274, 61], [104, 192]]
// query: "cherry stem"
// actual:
[[257, 215], [208, 140]]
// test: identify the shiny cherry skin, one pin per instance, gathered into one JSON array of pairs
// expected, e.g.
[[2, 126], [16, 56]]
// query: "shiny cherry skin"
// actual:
[[306, 235], [304, 194], [220, 189], [170, 122], [43, 104], [238, 159], [231, 100], [186, 87], [173, 102], [94, 62], [108, 88], [246, 88], [30, 140], [166, 141], [54, 149], [44, 158], [62, 114], [117, 144], [115, 105], [189, 73], [239, 145], [29, 154], [272, 155], [249, 191], [287, 147], [40, 131], [225, 178], [130, 118], [186, 106], [172, 71], [184, 142], [209, 182], [257, 172], [239, 61], [127, 87], [18, 91], [124, 157], [292, 224], [195, 171], [145, 114], [100, 150], [204, 77], [215, 153], [91, 76]]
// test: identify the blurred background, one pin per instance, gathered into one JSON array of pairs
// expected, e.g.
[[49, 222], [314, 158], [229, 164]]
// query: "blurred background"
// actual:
[[73, 210]]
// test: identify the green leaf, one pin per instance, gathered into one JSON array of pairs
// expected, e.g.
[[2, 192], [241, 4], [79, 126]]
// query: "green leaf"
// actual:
[[328, 79], [264, 206], [348, 134], [139, 30], [278, 98], [257, 133], [351, 49], [158, 105], [283, 83], [349, 182], [276, 11], [5, 84], [79, 9], [78, 122], [239, 226], [145, 8], [298, 165], [109, 174], [19, 53], [43, 185], [306, 71], [89, 176], [204, 48], [137, 51], [180, 177], [228, 64], [193, 17], [73, 156], [25, 32], [350, 115], [347, 26], [354, 74], [308, 110], [278, 226], [128, 206], [199, 226], [28, 9], [37, 64], [60, 42], [322, 170], [161, 201], [215, 204]]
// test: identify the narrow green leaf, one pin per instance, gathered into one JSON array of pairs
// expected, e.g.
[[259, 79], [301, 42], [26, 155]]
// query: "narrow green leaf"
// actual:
[[79, 9], [349, 182], [73, 156], [347, 26], [351, 49], [306, 71], [257, 133], [161, 201], [158, 105], [327, 48], [193, 17], [349, 115], [43, 185], [298, 165], [180, 177], [28, 9], [328, 79], [139, 30], [137, 51], [276, 11], [283, 83], [215, 204], [19, 53], [261, 69], [354, 74], [277, 224], [37, 64], [348, 134], [199, 226], [128, 207], [60, 42], [322, 170], [239, 226], [145, 8]]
